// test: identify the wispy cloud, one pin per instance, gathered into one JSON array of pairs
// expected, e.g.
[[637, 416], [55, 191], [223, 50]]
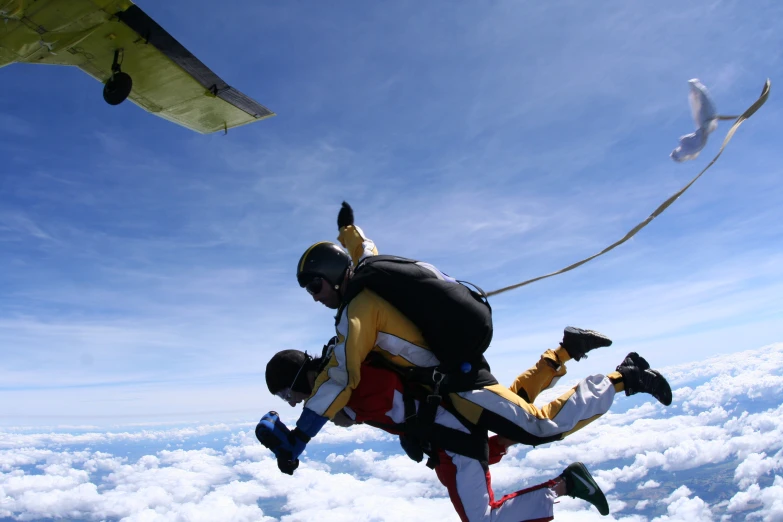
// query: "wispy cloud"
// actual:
[[146, 266], [18, 226], [14, 125]]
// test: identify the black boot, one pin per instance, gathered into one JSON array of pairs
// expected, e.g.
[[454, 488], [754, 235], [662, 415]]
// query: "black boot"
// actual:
[[634, 359], [578, 342], [639, 378]]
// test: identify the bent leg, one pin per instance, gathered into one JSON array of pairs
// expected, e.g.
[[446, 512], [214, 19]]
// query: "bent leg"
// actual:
[[543, 375], [470, 490], [575, 345]]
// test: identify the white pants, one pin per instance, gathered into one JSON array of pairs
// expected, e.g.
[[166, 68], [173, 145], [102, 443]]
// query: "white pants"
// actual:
[[470, 490]]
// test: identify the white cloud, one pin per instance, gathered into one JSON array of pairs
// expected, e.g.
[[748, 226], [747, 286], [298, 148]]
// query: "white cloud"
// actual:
[[15, 226], [360, 433], [760, 503], [10, 439], [756, 465], [680, 507]]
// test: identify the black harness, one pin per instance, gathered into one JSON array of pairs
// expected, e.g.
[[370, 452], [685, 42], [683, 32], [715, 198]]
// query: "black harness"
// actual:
[[421, 434]]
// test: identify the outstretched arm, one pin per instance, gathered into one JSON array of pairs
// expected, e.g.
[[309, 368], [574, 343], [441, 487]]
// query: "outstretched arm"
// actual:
[[352, 238]]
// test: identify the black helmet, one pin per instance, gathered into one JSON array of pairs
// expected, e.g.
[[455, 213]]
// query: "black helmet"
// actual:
[[287, 369], [325, 260]]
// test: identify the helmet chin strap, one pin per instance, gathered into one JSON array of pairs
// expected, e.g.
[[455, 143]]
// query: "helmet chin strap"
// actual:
[[307, 359], [348, 273]]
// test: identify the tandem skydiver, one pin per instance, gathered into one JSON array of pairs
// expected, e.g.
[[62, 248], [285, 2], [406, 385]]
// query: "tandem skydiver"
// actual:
[[366, 324], [459, 452]]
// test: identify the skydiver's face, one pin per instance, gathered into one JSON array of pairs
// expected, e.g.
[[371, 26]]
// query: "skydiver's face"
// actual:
[[324, 293], [292, 397]]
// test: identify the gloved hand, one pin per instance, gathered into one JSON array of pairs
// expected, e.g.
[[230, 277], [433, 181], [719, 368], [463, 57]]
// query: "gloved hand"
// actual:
[[345, 216], [272, 433], [287, 466], [287, 445]]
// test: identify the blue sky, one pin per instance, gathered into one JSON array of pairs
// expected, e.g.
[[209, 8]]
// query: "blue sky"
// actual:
[[147, 272]]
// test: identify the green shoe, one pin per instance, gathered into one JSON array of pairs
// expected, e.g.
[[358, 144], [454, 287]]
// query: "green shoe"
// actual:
[[580, 484]]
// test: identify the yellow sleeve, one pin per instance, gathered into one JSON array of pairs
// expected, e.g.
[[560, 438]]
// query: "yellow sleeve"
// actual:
[[352, 238], [335, 384]]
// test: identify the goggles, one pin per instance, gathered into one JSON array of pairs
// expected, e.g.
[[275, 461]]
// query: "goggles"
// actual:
[[315, 285]]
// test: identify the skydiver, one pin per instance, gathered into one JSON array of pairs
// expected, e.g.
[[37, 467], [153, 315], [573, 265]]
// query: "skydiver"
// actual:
[[369, 324], [460, 453]]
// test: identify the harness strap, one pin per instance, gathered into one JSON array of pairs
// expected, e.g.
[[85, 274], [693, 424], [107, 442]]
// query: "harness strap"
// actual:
[[421, 426], [478, 291], [409, 404]]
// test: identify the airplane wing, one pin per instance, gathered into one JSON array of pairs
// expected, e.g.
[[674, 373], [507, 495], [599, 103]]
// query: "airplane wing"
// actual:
[[113, 39]]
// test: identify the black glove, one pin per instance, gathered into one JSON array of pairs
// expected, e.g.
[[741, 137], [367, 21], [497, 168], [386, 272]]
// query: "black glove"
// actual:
[[345, 217], [287, 466]]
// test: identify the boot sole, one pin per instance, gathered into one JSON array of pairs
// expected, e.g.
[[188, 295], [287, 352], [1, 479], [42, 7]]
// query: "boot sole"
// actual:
[[602, 340], [663, 391]]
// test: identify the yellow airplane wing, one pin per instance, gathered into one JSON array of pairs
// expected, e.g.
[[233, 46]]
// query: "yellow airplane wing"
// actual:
[[115, 42]]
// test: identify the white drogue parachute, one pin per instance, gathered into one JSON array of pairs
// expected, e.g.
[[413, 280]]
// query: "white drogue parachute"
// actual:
[[706, 117]]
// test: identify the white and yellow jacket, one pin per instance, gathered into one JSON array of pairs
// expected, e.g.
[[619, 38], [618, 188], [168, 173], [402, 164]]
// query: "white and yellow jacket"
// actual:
[[368, 324]]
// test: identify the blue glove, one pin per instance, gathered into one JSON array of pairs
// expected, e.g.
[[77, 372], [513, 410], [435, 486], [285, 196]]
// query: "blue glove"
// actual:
[[287, 445], [272, 433]]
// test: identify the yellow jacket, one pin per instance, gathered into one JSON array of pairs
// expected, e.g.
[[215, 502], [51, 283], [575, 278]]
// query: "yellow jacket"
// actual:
[[369, 323]]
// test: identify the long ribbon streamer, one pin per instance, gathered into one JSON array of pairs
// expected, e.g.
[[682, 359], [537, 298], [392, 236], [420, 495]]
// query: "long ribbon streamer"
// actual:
[[663, 206]]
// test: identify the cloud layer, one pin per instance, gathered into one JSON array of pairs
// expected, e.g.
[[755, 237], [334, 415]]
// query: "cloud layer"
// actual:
[[726, 424]]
